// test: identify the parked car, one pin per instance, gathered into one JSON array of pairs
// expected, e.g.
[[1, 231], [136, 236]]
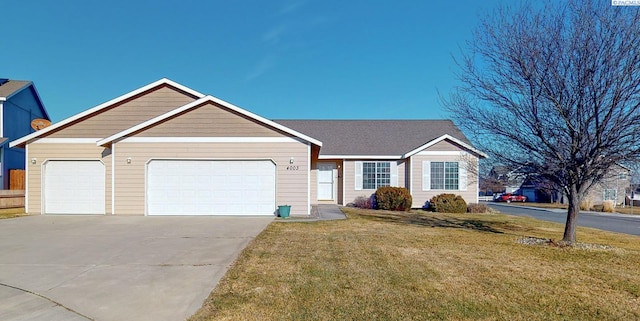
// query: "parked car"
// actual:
[[509, 197]]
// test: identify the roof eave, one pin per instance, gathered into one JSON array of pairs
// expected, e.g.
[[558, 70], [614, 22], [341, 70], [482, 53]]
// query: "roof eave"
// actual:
[[26, 85], [164, 81], [335, 156], [441, 138], [196, 103]]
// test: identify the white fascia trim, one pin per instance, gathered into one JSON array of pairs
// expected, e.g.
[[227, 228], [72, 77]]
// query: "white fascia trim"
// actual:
[[3, 98], [396, 157], [200, 102], [344, 190], [441, 138], [441, 153], [210, 140], [309, 179], [266, 121], [163, 81], [66, 141]]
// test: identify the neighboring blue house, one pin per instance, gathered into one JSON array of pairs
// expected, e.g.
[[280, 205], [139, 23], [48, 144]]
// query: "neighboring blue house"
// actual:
[[20, 104]]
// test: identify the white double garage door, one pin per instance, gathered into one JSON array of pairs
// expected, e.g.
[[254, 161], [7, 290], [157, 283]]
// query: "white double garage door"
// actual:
[[173, 187]]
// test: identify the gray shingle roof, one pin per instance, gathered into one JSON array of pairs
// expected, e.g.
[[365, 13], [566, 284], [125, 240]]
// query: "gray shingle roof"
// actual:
[[11, 86], [373, 137]]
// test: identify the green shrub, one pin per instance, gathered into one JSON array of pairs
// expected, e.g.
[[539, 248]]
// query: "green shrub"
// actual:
[[393, 198], [448, 203], [477, 208]]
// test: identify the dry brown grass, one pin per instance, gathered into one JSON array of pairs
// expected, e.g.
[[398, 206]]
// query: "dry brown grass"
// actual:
[[12, 212], [381, 265], [607, 206], [586, 204]]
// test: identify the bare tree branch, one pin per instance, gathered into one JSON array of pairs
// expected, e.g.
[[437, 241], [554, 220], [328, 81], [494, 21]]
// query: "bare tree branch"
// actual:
[[556, 89]]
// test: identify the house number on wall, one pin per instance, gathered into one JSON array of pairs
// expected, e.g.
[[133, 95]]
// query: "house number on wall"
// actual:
[[293, 168]]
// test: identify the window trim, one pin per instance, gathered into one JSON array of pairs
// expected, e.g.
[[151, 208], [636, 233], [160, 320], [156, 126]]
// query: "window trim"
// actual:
[[427, 173], [359, 178]]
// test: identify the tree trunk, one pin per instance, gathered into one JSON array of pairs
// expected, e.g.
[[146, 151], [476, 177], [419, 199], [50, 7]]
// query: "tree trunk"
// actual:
[[572, 215]]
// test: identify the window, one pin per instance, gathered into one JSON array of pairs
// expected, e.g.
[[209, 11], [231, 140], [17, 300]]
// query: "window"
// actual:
[[610, 195], [376, 174], [444, 175]]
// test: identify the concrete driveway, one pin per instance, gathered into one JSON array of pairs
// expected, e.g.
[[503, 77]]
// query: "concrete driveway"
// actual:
[[115, 268]]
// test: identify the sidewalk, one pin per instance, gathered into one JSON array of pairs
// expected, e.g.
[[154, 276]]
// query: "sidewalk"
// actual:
[[562, 210]]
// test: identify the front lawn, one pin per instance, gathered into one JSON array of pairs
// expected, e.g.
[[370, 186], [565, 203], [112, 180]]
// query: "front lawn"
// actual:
[[380, 265]]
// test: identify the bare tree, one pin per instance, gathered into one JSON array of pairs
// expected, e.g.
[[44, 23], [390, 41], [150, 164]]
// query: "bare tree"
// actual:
[[554, 87]]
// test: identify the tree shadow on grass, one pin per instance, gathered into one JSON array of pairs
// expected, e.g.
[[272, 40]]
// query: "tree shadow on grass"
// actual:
[[429, 220]]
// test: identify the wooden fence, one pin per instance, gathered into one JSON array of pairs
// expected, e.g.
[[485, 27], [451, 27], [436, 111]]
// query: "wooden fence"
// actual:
[[16, 179], [11, 198]]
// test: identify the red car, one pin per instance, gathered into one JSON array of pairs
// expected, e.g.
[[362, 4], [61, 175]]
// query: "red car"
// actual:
[[508, 197]]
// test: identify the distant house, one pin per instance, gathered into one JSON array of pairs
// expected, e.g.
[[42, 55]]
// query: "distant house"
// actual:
[[20, 104], [510, 178], [613, 187], [537, 189]]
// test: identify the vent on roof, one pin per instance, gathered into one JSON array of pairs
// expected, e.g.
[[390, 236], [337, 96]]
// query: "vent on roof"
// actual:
[[3, 80]]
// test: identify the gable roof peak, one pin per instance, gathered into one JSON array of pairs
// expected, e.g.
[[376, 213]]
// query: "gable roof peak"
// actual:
[[98, 108], [197, 103]]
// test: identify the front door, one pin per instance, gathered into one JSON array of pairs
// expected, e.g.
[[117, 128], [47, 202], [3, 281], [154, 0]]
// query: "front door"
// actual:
[[325, 181]]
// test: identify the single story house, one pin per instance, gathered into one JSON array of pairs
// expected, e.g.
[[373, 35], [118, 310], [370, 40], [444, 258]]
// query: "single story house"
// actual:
[[20, 105], [166, 149]]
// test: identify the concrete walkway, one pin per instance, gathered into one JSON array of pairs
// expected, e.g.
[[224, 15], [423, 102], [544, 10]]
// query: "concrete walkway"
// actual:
[[328, 212], [322, 212]]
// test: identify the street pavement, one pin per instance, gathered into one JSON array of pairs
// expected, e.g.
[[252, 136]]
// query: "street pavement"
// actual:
[[614, 222]]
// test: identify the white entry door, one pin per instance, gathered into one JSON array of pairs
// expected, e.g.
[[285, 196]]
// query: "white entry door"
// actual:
[[211, 187], [325, 181], [74, 187]]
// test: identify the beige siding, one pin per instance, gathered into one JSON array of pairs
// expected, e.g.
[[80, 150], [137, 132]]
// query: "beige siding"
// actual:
[[313, 181], [402, 179], [610, 181], [46, 151], [127, 114], [349, 179], [445, 145], [291, 188], [421, 196], [210, 120]]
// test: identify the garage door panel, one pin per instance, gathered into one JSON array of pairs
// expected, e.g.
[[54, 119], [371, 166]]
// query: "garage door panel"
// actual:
[[74, 187], [210, 187]]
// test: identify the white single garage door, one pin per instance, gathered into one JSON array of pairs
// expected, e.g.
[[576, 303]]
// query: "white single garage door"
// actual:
[[211, 187], [74, 187]]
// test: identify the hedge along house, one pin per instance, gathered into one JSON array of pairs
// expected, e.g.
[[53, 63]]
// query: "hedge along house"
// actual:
[[428, 157], [165, 149]]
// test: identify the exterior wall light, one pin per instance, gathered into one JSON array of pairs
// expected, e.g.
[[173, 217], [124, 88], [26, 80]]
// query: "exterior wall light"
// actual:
[[33, 161], [291, 160], [128, 160]]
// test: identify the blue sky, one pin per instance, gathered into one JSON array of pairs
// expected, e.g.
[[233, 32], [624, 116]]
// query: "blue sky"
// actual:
[[291, 59]]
